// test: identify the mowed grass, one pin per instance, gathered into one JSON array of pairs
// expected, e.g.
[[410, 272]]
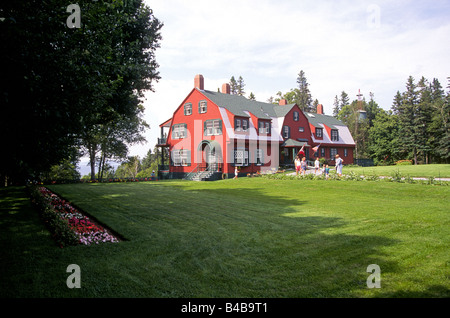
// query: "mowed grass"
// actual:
[[424, 171], [251, 237]]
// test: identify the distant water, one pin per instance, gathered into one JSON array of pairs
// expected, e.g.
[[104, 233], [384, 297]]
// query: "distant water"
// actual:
[[84, 168]]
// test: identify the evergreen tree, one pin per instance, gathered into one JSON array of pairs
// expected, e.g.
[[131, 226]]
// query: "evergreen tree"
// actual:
[[440, 122], [336, 107], [304, 97], [240, 86], [252, 96], [422, 119], [383, 138], [314, 106], [344, 99], [408, 139], [233, 86]]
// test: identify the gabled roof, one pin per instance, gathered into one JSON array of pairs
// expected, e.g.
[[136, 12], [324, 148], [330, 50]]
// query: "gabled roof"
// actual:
[[282, 110]]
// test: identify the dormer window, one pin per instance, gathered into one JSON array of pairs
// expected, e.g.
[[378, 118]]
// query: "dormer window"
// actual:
[[334, 135], [264, 127], [241, 124], [319, 133]]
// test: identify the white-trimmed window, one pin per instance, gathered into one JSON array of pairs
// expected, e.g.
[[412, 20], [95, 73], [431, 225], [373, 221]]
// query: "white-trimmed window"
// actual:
[[202, 107], [188, 109], [237, 125], [301, 129], [179, 131], [286, 132], [319, 133], [241, 157], [259, 157], [181, 157], [334, 135], [264, 127], [345, 152], [244, 125], [333, 152], [296, 116], [212, 127]]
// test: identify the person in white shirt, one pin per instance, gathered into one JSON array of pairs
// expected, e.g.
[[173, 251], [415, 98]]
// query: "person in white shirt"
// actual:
[[316, 166]]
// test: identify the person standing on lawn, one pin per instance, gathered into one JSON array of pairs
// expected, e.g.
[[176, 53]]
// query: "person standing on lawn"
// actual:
[[339, 163], [303, 165], [316, 166], [297, 164]]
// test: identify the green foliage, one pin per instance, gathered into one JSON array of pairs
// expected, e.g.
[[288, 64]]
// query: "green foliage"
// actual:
[[58, 227], [65, 85]]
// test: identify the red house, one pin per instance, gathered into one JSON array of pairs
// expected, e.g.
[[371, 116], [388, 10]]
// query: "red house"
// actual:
[[211, 133]]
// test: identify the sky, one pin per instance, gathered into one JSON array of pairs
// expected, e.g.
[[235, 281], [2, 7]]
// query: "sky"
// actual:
[[341, 45]]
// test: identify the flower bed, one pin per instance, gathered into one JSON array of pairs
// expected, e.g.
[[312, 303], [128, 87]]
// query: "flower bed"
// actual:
[[68, 225]]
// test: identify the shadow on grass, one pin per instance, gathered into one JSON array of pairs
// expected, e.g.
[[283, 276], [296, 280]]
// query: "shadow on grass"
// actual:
[[189, 241]]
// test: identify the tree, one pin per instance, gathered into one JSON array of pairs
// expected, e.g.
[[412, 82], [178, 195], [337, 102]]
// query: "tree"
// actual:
[[336, 107], [304, 99], [291, 97], [440, 127], [408, 140], [240, 86], [233, 86], [129, 168], [314, 106], [344, 99], [383, 138], [63, 82], [251, 96]]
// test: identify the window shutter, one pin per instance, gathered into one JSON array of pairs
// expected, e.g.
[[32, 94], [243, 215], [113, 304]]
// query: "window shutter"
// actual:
[[188, 158]]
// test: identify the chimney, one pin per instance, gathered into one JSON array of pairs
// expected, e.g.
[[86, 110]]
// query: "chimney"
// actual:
[[199, 82], [319, 109], [282, 102], [226, 88]]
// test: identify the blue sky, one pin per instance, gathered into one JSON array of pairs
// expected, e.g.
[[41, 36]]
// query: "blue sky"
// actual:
[[340, 45]]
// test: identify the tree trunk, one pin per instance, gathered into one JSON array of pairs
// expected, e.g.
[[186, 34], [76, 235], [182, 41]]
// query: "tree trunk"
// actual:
[[92, 151]]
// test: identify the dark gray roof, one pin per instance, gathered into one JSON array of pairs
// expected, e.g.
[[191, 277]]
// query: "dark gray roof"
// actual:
[[330, 121], [238, 104]]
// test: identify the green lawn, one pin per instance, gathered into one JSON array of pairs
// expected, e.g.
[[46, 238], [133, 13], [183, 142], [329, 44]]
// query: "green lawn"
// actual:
[[251, 237], [426, 171]]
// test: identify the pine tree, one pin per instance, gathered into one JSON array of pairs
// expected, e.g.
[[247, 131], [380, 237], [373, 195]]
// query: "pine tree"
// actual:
[[240, 86], [337, 107], [422, 118], [314, 106], [233, 86], [304, 98], [344, 99], [408, 138], [252, 96]]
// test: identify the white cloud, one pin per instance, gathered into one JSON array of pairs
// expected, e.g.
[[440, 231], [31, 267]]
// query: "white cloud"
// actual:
[[341, 45]]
